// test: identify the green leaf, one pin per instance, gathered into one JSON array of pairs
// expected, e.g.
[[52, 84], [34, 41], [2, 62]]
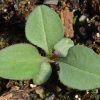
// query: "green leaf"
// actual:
[[44, 28], [63, 46], [19, 62], [80, 69], [44, 74]]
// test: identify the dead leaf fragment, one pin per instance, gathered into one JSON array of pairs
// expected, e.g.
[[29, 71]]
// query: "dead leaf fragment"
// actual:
[[67, 20], [6, 97], [55, 2], [96, 5], [40, 91]]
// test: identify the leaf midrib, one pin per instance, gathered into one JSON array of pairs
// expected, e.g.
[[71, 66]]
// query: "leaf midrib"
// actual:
[[14, 61], [81, 70], [44, 29]]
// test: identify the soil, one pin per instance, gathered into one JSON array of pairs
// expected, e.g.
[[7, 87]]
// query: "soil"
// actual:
[[13, 16]]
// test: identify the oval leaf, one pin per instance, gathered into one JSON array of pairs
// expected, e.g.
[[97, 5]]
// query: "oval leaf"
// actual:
[[44, 73], [80, 69], [63, 46], [19, 62], [44, 28]]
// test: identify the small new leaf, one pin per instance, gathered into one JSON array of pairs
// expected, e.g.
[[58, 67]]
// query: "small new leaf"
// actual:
[[63, 46]]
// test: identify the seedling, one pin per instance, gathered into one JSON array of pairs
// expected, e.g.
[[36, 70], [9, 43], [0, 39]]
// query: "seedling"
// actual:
[[79, 65]]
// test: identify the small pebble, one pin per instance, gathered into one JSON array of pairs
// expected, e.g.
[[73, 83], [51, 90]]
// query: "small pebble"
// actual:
[[51, 97], [79, 98], [76, 96], [87, 92], [99, 28], [29, 2], [33, 86], [5, 10], [98, 35], [97, 91], [82, 18], [16, 7], [88, 20]]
